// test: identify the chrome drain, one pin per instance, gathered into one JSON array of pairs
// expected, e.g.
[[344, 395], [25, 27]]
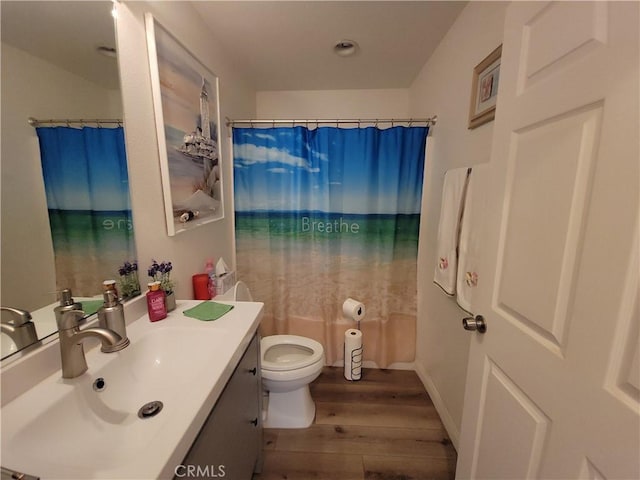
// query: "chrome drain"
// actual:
[[150, 409], [99, 384]]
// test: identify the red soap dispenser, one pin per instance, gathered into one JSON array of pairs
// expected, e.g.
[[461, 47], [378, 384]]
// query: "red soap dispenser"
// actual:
[[156, 305]]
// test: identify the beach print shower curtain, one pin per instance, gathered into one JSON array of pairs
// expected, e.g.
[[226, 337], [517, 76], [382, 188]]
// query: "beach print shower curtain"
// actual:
[[330, 213], [87, 188]]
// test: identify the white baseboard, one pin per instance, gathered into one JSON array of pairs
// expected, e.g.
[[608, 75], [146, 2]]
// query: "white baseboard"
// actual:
[[445, 416], [372, 364]]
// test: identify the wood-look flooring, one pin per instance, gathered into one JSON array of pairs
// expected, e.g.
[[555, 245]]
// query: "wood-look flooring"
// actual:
[[382, 427]]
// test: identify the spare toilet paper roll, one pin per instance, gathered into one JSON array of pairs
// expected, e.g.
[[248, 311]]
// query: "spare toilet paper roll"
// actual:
[[353, 354], [353, 309]]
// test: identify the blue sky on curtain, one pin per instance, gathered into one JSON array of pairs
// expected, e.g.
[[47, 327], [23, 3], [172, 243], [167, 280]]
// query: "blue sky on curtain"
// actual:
[[329, 213], [87, 189]]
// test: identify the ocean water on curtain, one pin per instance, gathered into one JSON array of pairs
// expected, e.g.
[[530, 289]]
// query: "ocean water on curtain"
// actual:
[[383, 236], [326, 214]]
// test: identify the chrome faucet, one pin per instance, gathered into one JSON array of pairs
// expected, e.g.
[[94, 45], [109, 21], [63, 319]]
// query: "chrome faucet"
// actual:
[[20, 328], [74, 362]]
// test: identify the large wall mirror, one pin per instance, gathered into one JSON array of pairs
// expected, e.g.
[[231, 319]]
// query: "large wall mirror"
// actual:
[[58, 62]]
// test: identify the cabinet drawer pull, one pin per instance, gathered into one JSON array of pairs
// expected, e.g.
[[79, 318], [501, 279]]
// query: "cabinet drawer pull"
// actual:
[[254, 422], [254, 370]]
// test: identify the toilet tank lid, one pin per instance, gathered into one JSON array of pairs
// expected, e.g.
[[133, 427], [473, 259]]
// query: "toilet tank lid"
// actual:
[[241, 292]]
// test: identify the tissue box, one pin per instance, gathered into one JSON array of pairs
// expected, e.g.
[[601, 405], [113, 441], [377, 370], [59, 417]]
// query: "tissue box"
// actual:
[[224, 282]]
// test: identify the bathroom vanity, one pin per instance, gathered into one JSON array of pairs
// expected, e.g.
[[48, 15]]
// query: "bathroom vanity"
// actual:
[[181, 401], [230, 442]]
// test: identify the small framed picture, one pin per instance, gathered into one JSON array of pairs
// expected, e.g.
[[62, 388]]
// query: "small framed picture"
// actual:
[[484, 89]]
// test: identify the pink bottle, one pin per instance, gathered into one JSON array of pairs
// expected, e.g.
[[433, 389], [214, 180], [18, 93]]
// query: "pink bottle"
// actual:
[[156, 305], [210, 270]]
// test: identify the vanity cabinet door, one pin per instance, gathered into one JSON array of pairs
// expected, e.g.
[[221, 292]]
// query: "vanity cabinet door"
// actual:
[[229, 444]]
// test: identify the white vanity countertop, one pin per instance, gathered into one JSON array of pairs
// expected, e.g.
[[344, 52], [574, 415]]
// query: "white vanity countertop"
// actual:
[[36, 444]]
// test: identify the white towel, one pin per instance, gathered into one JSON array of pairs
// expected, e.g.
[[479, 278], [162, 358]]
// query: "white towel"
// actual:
[[453, 192], [469, 243]]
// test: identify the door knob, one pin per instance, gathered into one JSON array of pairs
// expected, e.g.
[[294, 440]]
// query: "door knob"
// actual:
[[475, 324]]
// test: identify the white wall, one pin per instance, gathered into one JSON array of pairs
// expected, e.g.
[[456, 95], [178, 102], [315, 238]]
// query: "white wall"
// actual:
[[189, 250], [32, 87], [443, 88], [330, 104]]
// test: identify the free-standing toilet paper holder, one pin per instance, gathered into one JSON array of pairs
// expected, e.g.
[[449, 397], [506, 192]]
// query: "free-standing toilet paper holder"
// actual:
[[356, 364], [354, 367], [354, 310]]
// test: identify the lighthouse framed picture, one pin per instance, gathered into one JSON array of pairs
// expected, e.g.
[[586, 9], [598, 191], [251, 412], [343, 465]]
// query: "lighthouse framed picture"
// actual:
[[187, 114]]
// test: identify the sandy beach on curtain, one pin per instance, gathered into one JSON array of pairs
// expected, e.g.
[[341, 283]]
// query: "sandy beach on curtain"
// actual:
[[309, 291]]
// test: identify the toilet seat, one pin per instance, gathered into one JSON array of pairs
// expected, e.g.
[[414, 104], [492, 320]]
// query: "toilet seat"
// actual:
[[295, 352]]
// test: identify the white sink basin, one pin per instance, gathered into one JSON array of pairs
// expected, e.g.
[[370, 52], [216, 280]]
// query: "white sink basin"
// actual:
[[66, 428]]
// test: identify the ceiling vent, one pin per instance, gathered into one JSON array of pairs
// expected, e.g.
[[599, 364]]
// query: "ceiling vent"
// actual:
[[346, 48]]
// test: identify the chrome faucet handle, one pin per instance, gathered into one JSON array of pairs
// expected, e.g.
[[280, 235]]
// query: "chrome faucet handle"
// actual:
[[20, 317], [70, 319]]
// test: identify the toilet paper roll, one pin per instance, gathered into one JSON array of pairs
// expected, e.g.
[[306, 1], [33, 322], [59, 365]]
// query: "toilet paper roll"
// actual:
[[353, 309], [353, 354]]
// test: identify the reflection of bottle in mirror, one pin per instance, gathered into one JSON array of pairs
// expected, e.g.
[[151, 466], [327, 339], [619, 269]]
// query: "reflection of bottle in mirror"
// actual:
[[110, 285], [66, 304], [210, 270], [156, 305]]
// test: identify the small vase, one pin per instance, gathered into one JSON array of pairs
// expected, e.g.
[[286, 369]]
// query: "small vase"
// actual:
[[170, 301]]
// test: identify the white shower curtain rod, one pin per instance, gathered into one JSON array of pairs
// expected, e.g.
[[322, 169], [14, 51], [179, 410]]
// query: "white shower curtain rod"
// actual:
[[375, 121], [34, 122]]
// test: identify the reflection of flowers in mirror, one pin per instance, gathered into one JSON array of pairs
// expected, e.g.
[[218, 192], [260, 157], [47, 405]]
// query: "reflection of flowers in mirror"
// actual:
[[161, 272], [129, 282]]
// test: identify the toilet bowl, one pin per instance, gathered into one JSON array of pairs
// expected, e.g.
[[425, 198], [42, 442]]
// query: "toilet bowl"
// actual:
[[289, 364]]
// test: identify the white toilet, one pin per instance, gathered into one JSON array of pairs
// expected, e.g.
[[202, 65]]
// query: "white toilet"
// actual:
[[289, 363]]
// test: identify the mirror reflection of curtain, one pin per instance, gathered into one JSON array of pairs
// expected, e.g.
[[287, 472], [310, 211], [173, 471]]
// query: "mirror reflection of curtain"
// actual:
[[326, 214], [87, 188]]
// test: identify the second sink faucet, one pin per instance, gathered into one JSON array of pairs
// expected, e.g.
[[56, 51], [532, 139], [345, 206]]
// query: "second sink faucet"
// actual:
[[74, 362]]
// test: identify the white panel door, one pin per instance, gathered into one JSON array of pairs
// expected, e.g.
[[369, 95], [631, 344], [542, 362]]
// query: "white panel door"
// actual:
[[552, 386]]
